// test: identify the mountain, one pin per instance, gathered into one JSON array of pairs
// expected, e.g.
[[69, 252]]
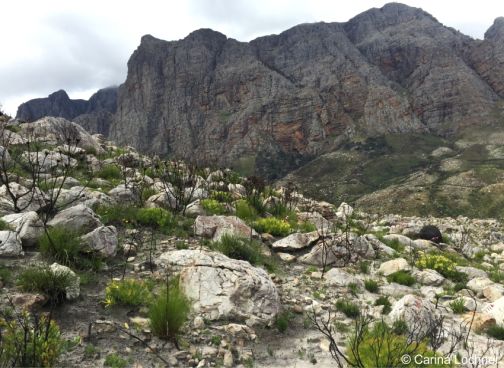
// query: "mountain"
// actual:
[[95, 114], [331, 93]]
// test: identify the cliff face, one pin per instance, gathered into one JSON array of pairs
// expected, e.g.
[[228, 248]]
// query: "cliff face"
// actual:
[[290, 97], [94, 115]]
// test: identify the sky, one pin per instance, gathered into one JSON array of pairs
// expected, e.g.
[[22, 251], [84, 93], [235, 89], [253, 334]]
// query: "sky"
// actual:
[[82, 46]]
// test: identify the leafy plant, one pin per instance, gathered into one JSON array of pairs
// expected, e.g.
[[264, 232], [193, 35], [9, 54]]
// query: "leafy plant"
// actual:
[[273, 226], [220, 196], [168, 312], [364, 267], [245, 211], [117, 215], [383, 300], [158, 218], [213, 207], [109, 172], [282, 321], [441, 264], [496, 331], [115, 361], [458, 306], [402, 278], [348, 308], [29, 341], [43, 280], [129, 292], [371, 285]]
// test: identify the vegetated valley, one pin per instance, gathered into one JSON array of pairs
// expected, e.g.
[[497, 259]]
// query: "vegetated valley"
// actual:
[[381, 240]]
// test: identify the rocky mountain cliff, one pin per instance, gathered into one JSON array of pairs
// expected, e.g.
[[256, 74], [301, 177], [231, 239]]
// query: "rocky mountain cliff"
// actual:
[[277, 103]]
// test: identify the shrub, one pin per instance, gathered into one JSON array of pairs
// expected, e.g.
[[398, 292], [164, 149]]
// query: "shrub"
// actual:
[[109, 172], [402, 278], [5, 275], [115, 361], [4, 225], [117, 215], [458, 306], [371, 286], [394, 244], [245, 211], [381, 346], [305, 227], [441, 264], [273, 226], [169, 311], [129, 292], [496, 331], [26, 341], [213, 207], [364, 267], [43, 280], [350, 309], [353, 288], [243, 249], [282, 321], [158, 218], [220, 196], [383, 300]]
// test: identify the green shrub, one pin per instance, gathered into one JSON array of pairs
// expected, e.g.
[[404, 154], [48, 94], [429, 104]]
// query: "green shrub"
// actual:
[[4, 225], [371, 285], [282, 321], [458, 306], [273, 226], [158, 218], [243, 249], [115, 361], [168, 312], [353, 288], [220, 196], [383, 300], [213, 207], [147, 193], [496, 332], [350, 309], [5, 275], [129, 292], [364, 267], [441, 264], [305, 227], [26, 341], [496, 276], [109, 172], [380, 346], [43, 280], [402, 278], [118, 215], [394, 244], [245, 211], [180, 244]]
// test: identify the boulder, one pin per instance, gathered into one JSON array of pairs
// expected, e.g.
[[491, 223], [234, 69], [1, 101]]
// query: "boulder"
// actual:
[[364, 247], [429, 277], [81, 195], [123, 194], [477, 284], [103, 240], [73, 290], [222, 288], [496, 310], [27, 225], [493, 292], [480, 321], [315, 218], [414, 310], [401, 239], [49, 161], [28, 301], [344, 211], [296, 241], [163, 200], [394, 265], [471, 272], [215, 227], [195, 209], [79, 218], [339, 277], [10, 244], [27, 200], [329, 252]]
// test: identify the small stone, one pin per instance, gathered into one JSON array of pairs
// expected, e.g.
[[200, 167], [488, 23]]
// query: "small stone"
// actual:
[[324, 345], [297, 309], [316, 275], [198, 323], [130, 259], [228, 359]]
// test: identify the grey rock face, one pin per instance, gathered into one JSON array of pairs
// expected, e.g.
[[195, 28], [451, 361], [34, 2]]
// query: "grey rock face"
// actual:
[[102, 240], [10, 244], [79, 218]]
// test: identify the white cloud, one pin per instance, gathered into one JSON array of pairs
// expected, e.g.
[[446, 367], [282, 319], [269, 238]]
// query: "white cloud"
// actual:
[[81, 46]]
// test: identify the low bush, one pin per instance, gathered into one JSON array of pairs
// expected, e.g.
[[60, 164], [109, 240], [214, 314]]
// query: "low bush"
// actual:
[[383, 300], [117, 215], [371, 285], [109, 172], [245, 211], [220, 196], [394, 244], [115, 361], [364, 267], [168, 311], [44, 281], [496, 332], [243, 249], [353, 288], [128, 292], [282, 321], [29, 341], [5, 275], [213, 207], [402, 278], [158, 218], [4, 225], [348, 308], [441, 264], [273, 226], [458, 306], [305, 227]]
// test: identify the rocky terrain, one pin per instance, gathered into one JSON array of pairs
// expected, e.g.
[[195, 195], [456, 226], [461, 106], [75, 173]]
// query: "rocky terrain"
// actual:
[[94, 233], [324, 102]]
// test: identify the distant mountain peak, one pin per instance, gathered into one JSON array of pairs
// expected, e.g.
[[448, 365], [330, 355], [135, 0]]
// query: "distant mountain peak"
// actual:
[[496, 31]]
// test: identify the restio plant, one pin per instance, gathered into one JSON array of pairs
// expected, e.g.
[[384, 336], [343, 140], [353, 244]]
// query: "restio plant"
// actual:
[[371, 285], [213, 207], [245, 211], [458, 306], [128, 292], [115, 361], [43, 280], [348, 308], [496, 332], [282, 320], [402, 278], [387, 306], [29, 341], [168, 311], [155, 217], [273, 226], [109, 172]]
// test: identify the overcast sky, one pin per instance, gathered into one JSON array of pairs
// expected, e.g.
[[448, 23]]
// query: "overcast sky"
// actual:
[[81, 46]]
